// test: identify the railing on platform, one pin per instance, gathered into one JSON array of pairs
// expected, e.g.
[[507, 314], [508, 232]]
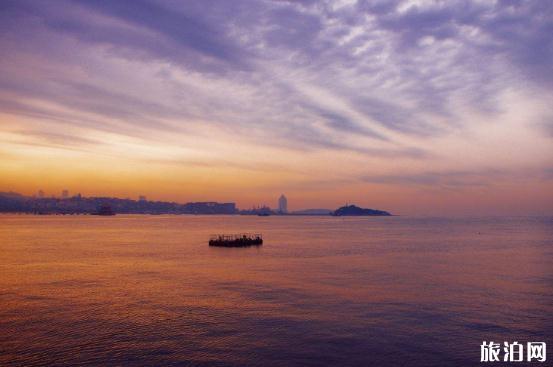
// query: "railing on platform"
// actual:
[[235, 237]]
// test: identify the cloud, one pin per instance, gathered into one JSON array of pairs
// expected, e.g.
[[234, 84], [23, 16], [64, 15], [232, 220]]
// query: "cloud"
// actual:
[[153, 30], [209, 37], [546, 127], [444, 179], [254, 166], [70, 141], [460, 179], [60, 139], [514, 30], [389, 78]]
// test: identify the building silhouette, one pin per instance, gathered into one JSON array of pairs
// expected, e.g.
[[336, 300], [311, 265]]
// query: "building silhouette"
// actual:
[[40, 194], [64, 194], [282, 204], [78, 204]]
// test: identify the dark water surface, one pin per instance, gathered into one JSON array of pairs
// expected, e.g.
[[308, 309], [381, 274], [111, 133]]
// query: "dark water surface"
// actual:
[[321, 291]]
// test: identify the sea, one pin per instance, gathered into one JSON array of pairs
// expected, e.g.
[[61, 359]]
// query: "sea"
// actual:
[[141, 290]]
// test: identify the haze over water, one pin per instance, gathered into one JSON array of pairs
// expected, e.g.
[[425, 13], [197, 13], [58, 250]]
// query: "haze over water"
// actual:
[[321, 291]]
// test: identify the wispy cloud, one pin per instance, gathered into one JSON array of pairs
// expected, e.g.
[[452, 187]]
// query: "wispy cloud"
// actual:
[[462, 179], [368, 80], [372, 55]]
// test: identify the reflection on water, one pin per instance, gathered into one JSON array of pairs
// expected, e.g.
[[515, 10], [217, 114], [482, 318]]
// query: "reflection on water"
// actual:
[[321, 291]]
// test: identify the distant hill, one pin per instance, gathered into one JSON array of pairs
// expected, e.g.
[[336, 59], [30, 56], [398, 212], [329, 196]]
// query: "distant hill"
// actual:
[[352, 210], [312, 212], [14, 202]]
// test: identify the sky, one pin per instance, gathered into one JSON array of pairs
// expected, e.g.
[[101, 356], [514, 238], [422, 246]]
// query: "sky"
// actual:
[[415, 107]]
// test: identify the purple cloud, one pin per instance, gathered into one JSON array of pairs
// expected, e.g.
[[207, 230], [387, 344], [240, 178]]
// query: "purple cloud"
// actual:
[[392, 68]]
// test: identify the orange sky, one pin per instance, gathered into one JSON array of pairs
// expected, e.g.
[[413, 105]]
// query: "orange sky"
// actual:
[[311, 179], [343, 109]]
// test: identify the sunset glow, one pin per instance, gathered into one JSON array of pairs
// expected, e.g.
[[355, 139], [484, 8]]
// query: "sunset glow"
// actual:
[[414, 107]]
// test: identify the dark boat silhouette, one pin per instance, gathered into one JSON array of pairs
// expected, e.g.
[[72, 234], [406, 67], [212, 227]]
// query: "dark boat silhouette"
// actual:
[[236, 240], [104, 210]]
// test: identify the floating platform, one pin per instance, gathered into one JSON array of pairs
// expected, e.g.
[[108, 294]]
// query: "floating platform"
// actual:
[[236, 240]]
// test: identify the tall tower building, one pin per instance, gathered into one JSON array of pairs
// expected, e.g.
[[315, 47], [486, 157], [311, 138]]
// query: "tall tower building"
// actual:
[[40, 194], [282, 204], [65, 194]]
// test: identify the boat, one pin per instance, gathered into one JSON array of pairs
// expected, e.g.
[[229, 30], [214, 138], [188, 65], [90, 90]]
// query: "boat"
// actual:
[[236, 240], [104, 210]]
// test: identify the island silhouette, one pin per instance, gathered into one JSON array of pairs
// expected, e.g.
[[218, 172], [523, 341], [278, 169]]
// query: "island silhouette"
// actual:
[[352, 210]]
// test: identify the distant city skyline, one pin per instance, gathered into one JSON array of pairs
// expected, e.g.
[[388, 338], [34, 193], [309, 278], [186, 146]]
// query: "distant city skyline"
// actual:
[[299, 203], [280, 207], [417, 107]]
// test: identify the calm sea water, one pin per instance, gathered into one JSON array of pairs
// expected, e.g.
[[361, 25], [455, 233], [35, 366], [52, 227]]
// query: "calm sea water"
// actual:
[[321, 291]]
